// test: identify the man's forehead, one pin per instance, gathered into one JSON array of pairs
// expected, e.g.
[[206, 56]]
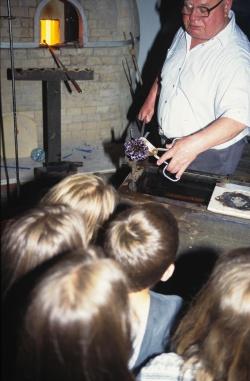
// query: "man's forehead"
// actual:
[[206, 3]]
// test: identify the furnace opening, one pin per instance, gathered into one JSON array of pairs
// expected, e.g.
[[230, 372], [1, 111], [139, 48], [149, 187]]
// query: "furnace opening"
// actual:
[[60, 24]]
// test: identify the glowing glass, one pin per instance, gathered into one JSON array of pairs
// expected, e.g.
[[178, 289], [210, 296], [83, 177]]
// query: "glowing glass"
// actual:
[[50, 31]]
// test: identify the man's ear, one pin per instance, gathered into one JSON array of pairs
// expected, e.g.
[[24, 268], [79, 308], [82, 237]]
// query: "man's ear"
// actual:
[[228, 5], [168, 273]]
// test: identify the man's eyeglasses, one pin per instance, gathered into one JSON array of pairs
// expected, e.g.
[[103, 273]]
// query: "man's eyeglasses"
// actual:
[[201, 11]]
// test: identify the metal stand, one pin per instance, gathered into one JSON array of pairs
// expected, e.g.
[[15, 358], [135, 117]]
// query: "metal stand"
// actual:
[[51, 97]]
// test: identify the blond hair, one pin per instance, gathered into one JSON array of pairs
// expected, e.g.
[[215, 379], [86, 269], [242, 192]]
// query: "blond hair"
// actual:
[[40, 234], [144, 240], [88, 194], [215, 333], [77, 326]]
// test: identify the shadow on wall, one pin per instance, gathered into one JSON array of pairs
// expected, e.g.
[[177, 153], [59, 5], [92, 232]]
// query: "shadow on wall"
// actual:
[[170, 20], [193, 268], [242, 12]]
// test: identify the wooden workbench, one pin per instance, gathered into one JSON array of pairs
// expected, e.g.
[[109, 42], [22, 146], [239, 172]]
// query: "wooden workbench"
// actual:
[[198, 227]]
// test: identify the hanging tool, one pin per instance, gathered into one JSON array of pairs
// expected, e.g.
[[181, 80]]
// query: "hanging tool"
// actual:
[[127, 72], [142, 132], [60, 65], [131, 88], [67, 85], [134, 59], [128, 76]]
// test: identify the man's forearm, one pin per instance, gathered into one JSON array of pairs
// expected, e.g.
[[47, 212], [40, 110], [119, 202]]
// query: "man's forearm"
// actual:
[[186, 149], [154, 91], [219, 132], [148, 108]]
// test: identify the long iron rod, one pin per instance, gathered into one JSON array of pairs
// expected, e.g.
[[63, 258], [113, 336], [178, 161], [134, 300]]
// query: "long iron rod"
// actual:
[[59, 67], [13, 96], [132, 52], [59, 62]]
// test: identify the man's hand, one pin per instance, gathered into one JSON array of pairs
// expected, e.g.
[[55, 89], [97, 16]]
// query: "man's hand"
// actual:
[[180, 155], [183, 152], [146, 112]]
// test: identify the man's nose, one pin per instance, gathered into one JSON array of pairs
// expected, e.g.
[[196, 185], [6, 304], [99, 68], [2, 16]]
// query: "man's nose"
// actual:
[[194, 13]]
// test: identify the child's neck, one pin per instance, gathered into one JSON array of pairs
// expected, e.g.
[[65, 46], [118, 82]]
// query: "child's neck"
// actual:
[[140, 301]]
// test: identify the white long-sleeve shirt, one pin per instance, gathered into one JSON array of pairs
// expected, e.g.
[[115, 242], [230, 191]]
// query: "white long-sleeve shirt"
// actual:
[[210, 81]]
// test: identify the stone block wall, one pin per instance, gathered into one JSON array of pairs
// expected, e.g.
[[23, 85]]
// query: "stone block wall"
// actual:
[[87, 117]]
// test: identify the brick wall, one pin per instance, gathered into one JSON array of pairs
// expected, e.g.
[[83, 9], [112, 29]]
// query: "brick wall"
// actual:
[[90, 116]]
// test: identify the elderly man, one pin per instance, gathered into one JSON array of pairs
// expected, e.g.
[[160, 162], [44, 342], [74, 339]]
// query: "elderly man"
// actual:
[[204, 91]]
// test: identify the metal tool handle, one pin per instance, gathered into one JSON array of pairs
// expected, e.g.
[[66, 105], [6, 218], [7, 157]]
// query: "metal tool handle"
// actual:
[[143, 128], [60, 65], [73, 81], [133, 56], [153, 152], [167, 174]]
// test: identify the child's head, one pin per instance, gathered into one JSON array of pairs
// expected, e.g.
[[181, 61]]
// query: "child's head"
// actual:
[[144, 240], [77, 325], [88, 194], [216, 331], [40, 234]]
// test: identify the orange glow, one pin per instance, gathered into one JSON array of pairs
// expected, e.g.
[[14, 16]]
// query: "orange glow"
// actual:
[[50, 31]]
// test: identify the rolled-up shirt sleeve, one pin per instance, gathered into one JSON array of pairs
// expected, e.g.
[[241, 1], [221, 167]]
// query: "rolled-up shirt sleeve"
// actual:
[[232, 99]]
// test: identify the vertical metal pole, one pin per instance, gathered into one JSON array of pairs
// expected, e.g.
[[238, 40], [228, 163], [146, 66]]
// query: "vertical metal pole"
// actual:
[[52, 121], [13, 95], [3, 150]]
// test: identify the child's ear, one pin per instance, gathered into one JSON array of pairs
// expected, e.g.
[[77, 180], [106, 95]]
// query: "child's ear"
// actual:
[[168, 273]]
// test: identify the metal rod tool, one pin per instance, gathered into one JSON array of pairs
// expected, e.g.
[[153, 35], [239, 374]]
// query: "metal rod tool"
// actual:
[[60, 65]]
